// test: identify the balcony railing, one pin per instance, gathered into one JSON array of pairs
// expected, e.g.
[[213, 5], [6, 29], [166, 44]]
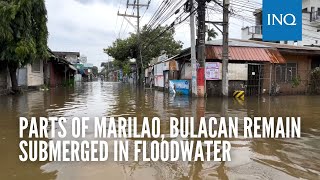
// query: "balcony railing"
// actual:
[[315, 16], [255, 29]]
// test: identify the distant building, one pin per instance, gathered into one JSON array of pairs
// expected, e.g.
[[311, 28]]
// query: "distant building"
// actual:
[[72, 57], [310, 25], [58, 71]]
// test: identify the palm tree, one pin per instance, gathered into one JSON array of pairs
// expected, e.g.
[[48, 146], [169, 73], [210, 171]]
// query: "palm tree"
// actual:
[[212, 34]]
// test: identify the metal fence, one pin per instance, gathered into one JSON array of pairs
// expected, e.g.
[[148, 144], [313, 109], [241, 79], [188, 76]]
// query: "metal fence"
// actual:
[[256, 78], [255, 29]]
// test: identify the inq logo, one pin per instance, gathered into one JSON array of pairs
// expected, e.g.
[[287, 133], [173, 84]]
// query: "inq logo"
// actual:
[[288, 19], [282, 20]]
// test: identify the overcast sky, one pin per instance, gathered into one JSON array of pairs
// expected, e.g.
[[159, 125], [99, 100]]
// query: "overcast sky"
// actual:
[[88, 26]]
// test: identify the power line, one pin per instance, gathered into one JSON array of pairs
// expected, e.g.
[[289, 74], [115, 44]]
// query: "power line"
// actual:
[[167, 29], [167, 9], [119, 36], [158, 12]]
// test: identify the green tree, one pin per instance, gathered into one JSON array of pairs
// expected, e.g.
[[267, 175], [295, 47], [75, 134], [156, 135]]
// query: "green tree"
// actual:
[[152, 43], [23, 34]]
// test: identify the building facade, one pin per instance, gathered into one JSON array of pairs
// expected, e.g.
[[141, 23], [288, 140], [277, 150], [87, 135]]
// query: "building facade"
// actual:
[[310, 25], [255, 67]]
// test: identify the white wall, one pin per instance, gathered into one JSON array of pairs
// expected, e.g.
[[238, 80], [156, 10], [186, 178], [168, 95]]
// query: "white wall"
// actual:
[[22, 76], [186, 71], [158, 69], [159, 81], [236, 72], [310, 3], [35, 78], [305, 4], [309, 31]]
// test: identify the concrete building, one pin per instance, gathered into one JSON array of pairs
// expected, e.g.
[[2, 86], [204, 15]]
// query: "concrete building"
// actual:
[[245, 69], [310, 25], [255, 67], [291, 76], [31, 75]]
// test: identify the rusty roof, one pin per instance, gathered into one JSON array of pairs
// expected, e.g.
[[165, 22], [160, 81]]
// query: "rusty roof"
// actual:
[[246, 54], [276, 56]]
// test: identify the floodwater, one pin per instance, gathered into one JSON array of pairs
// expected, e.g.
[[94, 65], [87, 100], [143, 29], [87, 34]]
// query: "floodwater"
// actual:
[[251, 158]]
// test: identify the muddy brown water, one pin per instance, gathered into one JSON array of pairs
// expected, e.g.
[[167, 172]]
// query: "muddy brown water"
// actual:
[[251, 158]]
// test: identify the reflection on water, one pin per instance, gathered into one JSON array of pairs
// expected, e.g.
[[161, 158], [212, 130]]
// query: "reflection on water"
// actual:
[[251, 158]]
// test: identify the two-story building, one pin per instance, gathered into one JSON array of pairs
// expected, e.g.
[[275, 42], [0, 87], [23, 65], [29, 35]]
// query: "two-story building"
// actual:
[[310, 25]]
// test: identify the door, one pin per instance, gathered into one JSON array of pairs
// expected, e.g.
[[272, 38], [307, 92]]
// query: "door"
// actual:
[[254, 82], [22, 76]]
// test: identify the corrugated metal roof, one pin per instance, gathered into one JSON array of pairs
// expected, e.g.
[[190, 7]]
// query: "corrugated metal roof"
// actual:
[[275, 55], [245, 54]]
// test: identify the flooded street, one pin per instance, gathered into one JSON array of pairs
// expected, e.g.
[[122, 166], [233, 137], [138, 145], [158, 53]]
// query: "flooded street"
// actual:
[[251, 158]]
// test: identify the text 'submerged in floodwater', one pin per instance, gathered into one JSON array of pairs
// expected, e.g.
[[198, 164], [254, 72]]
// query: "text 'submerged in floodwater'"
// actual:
[[146, 139]]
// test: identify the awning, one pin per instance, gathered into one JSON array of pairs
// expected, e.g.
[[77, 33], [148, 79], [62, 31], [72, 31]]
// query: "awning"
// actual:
[[72, 67]]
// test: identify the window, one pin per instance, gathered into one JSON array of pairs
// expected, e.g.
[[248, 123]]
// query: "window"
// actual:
[[35, 67], [314, 14], [286, 72]]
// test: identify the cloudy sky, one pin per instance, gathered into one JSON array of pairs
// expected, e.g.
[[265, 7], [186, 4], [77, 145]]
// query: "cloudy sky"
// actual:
[[88, 26]]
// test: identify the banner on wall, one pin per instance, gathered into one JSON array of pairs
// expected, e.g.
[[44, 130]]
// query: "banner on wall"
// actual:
[[179, 87], [213, 71]]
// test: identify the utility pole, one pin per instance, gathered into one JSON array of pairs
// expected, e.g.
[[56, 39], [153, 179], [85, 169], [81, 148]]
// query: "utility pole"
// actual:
[[137, 4], [225, 46], [193, 50], [201, 82]]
